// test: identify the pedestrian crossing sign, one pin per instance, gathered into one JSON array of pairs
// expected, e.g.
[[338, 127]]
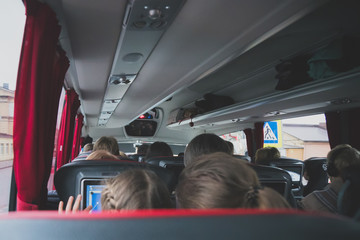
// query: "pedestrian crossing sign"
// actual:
[[272, 134]]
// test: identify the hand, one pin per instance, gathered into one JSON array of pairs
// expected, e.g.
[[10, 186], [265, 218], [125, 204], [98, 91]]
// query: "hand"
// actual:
[[69, 206]]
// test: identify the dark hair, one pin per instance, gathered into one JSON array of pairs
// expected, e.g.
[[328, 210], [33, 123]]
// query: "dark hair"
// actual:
[[216, 180], [142, 149], [86, 140], [135, 189], [231, 146], [158, 149], [204, 144], [108, 144]]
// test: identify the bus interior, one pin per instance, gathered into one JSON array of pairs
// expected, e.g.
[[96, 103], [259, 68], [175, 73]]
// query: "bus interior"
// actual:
[[168, 70]]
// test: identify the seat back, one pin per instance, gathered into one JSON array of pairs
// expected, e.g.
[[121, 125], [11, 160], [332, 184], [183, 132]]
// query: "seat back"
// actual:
[[156, 160], [316, 171], [275, 178], [176, 166], [69, 178], [232, 224], [294, 167]]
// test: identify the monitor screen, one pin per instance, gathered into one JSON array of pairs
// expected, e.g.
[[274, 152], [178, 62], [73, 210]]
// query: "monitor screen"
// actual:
[[295, 172], [91, 192], [141, 128]]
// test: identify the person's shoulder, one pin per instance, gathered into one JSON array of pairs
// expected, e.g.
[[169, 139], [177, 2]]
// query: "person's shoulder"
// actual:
[[311, 202]]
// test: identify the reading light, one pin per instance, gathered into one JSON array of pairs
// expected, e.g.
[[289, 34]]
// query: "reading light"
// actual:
[[154, 14]]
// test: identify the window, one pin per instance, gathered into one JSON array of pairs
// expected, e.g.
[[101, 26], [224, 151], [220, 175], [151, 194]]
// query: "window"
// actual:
[[2, 149], [238, 139], [12, 21]]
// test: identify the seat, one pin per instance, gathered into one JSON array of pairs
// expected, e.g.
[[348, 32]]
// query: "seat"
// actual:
[[156, 160], [317, 176], [243, 157], [68, 179], [136, 157], [277, 179], [232, 224], [175, 166], [294, 167]]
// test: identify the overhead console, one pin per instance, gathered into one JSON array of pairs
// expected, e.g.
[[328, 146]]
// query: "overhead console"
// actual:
[[146, 125]]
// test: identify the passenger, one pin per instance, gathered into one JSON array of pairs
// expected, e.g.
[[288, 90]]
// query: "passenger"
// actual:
[[101, 155], [131, 189], [264, 198], [87, 140], [107, 143], [339, 159], [264, 155], [158, 149], [216, 180], [123, 155], [349, 195], [204, 144], [231, 146], [135, 189], [87, 150], [88, 147], [142, 149], [316, 176]]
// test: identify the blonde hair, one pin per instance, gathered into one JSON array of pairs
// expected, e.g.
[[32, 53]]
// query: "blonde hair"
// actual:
[[264, 198], [135, 189], [88, 147], [216, 180], [100, 155], [263, 155], [107, 143]]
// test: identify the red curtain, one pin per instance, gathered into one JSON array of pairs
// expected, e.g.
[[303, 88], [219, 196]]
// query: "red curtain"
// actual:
[[77, 136], [42, 68], [71, 106], [254, 138], [343, 127]]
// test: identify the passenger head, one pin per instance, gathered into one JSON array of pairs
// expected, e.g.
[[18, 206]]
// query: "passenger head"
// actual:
[[86, 140], [135, 189], [342, 157], [264, 198], [108, 144], [216, 180], [158, 149], [263, 155], [204, 144], [231, 146], [88, 147], [142, 149], [101, 155]]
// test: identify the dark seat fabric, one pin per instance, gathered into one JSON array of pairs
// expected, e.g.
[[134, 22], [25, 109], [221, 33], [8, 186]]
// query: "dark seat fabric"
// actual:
[[276, 178], [68, 178], [175, 166], [316, 171], [156, 160], [177, 224], [136, 157], [294, 167]]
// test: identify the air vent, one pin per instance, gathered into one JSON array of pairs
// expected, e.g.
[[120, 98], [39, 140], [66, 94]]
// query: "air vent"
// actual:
[[121, 79]]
